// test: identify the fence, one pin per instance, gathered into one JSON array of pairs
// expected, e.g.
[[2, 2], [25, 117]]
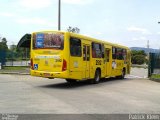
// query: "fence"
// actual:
[[9, 58], [2, 57], [17, 63], [154, 64]]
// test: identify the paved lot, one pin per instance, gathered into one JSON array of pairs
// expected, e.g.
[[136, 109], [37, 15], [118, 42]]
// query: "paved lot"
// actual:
[[27, 94], [139, 72], [135, 72]]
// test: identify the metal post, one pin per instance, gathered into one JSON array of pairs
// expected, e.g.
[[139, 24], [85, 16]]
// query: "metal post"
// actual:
[[149, 65], [26, 57], [59, 14]]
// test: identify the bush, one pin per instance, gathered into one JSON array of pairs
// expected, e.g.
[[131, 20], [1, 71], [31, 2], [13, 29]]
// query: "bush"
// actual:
[[138, 59]]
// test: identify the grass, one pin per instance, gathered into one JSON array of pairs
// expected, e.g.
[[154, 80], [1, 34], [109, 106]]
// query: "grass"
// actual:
[[156, 76]]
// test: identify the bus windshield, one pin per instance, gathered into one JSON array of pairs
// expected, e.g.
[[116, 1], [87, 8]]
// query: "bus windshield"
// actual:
[[48, 41]]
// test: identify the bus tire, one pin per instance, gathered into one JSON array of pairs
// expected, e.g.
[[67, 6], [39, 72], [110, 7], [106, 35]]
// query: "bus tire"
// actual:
[[123, 74], [97, 77], [71, 81]]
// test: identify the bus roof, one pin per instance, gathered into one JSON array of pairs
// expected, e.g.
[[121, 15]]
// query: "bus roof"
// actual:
[[86, 37], [97, 40]]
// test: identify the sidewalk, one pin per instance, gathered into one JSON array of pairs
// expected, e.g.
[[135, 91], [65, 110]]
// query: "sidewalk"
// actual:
[[20, 72]]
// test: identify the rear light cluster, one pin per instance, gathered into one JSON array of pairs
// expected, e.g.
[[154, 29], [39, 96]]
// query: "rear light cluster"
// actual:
[[31, 65], [64, 66]]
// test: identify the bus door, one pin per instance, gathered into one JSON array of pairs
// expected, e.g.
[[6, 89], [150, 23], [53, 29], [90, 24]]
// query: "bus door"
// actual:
[[75, 61], [107, 56], [86, 61]]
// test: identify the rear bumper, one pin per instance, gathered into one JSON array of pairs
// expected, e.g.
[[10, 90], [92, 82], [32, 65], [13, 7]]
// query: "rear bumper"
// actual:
[[49, 74]]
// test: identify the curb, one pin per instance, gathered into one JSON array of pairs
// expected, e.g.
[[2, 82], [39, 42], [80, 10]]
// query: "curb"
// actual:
[[15, 73], [156, 80]]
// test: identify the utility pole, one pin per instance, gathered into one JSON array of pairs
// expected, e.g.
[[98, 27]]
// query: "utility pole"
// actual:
[[159, 48], [59, 14], [148, 45], [149, 61]]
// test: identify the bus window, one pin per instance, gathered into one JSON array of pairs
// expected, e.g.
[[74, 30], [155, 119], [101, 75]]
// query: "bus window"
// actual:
[[93, 52], [75, 47], [84, 53], [124, 52], [114, 52], [107, 55], [119, 54], [96, 50], [48, 41], [102, 50], [88, 53]]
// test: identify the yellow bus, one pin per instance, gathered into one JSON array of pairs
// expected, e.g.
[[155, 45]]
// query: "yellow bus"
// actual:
[[74, 57]]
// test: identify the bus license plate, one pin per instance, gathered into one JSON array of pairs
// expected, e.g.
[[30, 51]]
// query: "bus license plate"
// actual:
[[47, 75]]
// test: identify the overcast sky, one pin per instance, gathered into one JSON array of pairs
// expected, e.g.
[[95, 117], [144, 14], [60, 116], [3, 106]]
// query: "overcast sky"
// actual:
[[126, 22]]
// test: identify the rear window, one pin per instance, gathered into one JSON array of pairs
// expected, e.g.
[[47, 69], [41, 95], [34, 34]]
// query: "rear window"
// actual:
[[48, 41]]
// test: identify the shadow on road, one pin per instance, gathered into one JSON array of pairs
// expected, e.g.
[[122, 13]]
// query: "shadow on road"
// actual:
[[66, 85]]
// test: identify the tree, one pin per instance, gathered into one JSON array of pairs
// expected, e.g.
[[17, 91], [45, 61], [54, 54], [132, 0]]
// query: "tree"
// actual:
[[13, 47], [73, 29], [12, 53], [4, 40], [3, 50], [3, 44], [24, 53], [138, 57]]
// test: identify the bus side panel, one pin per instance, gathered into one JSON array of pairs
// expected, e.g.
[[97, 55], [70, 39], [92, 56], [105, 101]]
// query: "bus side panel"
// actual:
[[75, 70], [119, 67], [97, 63]]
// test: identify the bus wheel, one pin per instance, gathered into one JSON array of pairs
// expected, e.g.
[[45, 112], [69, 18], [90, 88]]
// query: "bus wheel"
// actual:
[[71, 81], [97, 77], [123, 74]]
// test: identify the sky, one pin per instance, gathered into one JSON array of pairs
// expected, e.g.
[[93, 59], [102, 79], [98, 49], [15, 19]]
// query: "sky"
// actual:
[[127, 22]]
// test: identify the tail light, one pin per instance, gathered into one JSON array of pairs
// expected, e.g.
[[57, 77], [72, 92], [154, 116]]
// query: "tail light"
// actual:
[[31, 64], [64, 66]]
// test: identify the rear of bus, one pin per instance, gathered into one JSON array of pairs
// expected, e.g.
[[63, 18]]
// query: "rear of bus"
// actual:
[[49, 54]]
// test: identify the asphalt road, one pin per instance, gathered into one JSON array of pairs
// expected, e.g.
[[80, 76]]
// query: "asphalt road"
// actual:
[[27, 94]]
